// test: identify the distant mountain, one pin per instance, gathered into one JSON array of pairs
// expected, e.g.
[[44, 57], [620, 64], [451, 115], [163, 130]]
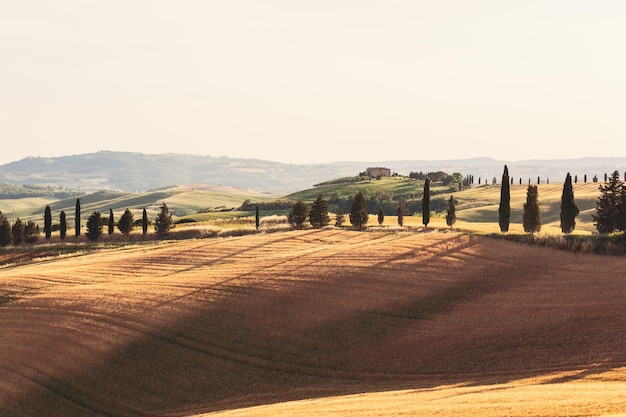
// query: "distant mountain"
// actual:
[[127, 171]]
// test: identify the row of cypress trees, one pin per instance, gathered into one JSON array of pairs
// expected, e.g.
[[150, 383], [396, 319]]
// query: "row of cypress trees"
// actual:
[[29, 232], [531, 218]]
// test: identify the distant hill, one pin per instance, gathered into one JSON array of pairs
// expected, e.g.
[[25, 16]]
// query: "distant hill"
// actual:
[[127, 171], [182, 200]]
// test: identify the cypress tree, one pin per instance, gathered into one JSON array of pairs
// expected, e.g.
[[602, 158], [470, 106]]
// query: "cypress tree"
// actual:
[[569, 210], [18, 231], [111, 222], [163, 221], [126, 222], [381, 216], [77, 218], [401, 214], [609, 211], [358, 213], [257, 218], [531, 218], [451, 213], [62, 225], [297, 216], [426, 203], [94, 226], [5, 231], [47, 222], [319, 213], [144, 220], [504, 210]]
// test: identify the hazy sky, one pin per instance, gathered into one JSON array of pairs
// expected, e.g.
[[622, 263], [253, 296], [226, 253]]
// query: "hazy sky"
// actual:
[[314, 81]]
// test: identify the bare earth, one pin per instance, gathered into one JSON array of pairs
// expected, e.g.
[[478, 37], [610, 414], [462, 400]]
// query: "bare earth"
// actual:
[[348, 323]]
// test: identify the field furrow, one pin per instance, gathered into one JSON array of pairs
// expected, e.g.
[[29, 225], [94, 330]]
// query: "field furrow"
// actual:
[[180, 328]]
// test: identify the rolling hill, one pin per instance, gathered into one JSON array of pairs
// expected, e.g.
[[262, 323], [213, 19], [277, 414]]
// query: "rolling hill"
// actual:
[[182, 200], [476, 208], [428, 323], [127, 171]]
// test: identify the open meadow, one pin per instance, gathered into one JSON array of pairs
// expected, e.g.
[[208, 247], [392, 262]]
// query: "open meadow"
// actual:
[[315, 322]]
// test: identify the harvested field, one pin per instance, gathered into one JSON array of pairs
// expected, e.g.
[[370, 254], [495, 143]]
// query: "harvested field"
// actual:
[[428, 324]]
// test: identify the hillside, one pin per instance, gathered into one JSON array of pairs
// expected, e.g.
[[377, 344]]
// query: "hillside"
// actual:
[[476, 208], [182, 200], [197, 326], [140, 172], [127, 171]]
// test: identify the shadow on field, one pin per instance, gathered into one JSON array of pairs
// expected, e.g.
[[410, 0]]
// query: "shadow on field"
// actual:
[[416, 324]]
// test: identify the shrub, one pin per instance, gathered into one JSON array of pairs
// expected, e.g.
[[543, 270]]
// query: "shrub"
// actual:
[[31, 232]]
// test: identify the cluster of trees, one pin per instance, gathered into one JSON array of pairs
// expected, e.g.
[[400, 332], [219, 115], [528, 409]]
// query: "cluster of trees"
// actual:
[[17, 233], [317, 214], [531, 218], [9, 191], [359, 217], [21, 232]]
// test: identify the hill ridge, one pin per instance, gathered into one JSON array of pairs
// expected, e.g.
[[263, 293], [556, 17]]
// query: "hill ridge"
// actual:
[[132, 171]]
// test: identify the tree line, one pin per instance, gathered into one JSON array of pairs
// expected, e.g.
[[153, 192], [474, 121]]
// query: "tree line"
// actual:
[[20, 232], [610, 217], [610, 214]]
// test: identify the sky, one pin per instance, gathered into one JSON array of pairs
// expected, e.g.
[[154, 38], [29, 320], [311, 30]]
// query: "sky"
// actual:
[[314, 81]]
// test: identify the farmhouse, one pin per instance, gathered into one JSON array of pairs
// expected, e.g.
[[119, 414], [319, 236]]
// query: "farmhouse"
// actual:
[[378, 171]]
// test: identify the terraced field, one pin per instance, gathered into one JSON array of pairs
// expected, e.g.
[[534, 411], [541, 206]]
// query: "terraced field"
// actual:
[[429, 324]]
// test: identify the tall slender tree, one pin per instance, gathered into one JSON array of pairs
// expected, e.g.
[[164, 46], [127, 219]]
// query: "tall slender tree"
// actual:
[[401, 213], [504, 210], [257, 218], [358, 213], [62, 225], [47, 222], [531, 219], [569, 209], [451, 212], [77, 218], [111, 222], [426, 203], [144, 220], [381, 216]]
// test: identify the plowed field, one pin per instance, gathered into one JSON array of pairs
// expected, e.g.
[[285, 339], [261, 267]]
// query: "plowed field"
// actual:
[[364, 323]]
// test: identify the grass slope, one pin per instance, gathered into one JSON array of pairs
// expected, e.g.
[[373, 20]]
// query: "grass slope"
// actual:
[[185, 328], [476, 208], [182, 201]]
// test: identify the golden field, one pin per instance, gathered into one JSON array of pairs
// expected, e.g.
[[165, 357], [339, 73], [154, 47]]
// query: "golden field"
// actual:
[[315, 322]]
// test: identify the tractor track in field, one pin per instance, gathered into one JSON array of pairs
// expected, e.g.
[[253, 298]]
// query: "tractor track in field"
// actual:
[[305, 307]]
